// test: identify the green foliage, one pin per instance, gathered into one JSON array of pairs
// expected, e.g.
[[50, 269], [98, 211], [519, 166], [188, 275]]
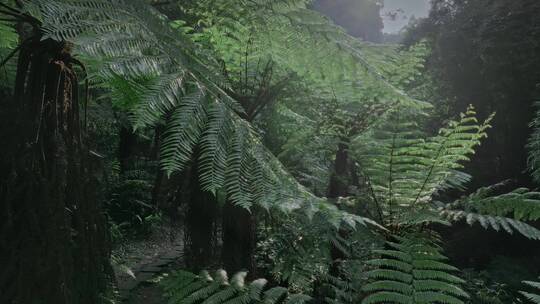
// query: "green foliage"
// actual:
[[176, 81], [295, 251], [8, 43], [534, 146], [520, 204], [484, 290], [532, 297], [128, 201], [187, 288], [406, 169], [412, 270], [491, 211]]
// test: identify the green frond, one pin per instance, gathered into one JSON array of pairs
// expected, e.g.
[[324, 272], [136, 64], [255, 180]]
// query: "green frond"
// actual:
[[494, 222], [8, 43], [413, 272], [407, 168], [532, 297], [186, 288], [499, 212], [275, 295], [215, 148], [387, 297], [183, 132], [297, 299], [520, 204]]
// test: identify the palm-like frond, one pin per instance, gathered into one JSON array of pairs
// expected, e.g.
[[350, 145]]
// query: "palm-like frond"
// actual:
[[173, 79], [520, 204], [412, 270], [183, 131], [532, 297], [499, 212], [187, 288], [407, 168]]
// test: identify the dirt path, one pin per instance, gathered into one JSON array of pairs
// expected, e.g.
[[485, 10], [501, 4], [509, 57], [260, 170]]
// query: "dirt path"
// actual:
[[139, 263], [136, 282]]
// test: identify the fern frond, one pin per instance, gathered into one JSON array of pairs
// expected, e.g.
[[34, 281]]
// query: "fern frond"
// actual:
[[407, 168], [186, 288], [183, 132], [497, 223], [412, 272], [215, 148], [532, 297], [505, 211], [520, 204]]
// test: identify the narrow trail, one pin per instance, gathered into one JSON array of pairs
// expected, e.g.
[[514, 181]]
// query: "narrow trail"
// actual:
[[135, 286], [142, 262]]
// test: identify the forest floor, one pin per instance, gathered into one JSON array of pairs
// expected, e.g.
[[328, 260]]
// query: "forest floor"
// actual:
[[139, 263]]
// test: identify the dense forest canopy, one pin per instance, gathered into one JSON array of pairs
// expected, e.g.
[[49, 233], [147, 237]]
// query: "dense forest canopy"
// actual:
[[268, 151]]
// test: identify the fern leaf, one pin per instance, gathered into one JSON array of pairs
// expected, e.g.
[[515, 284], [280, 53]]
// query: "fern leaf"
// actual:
[[412, 273], [186, 288]]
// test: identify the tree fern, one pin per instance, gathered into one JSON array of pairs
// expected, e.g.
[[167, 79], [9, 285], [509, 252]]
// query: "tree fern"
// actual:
[[532, 297], [130, 40], [174, 79], [187, 288], [412, 270]]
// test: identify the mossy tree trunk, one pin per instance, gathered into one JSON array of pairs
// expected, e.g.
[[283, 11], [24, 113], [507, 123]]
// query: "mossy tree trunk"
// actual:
[[54, 241]]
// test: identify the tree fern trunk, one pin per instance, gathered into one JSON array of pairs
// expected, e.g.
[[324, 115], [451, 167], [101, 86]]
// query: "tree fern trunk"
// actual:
[[340, 180], [238, 239], [160, 174], [54, 242], [202, 211], [126, 147]]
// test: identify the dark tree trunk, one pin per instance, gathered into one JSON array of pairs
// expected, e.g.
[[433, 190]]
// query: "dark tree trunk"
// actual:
[[200, 230], [340, 181], [238, 236], [126, 147], [160, 174], [54, 242]]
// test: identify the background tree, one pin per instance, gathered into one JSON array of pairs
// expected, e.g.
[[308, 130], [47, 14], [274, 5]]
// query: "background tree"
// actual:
[[482, 55]]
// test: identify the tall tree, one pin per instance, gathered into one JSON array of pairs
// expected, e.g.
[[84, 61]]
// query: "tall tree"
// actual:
[[54, 243]]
